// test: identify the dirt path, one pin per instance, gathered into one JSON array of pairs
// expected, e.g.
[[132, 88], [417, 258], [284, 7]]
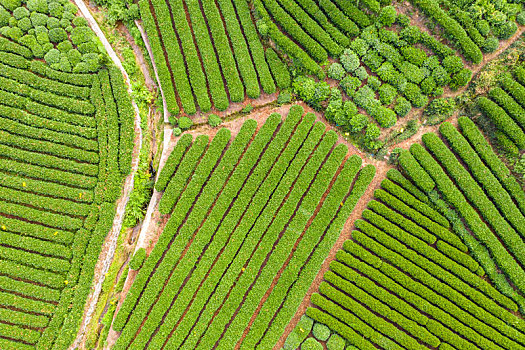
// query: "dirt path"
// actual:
[[110, 244]]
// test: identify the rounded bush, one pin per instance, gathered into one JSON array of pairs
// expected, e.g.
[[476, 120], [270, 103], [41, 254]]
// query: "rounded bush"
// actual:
[[57, 35], [38, 19], [336, 71], [387, 15], [38, 6], [20, 12], [361, 73], [185, 123], [372, 132], [52, 22], [358, 122], [490, 45], [214, 120], [374, 82], [428, 85], [403, 20], [53, 56], [80, 22], [359, 46], [25, 24], [387, 94], [349, 60], [335, 342], [483, 27], [55, 9], [11, 5], [461, 78], [311, 344], [350, 84], [177, 132], [452, 64], [505, 31], [402, 106], [65, 46]]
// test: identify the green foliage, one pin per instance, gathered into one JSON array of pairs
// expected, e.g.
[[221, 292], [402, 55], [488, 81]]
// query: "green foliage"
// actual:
[[358, 122], [214, 120], [336, 71], [185, 123], [402, 106], [387, 15], [310, 91], [439, 110], [321, 332], [299, 333], [350, 60], [387, 94], [279, 69], [311, 344], [138, 259], [335, 343]]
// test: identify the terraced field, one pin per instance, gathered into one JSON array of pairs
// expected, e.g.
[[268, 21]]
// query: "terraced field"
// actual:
[[65, 145], [208, 53], [406, 279], [250, 221]]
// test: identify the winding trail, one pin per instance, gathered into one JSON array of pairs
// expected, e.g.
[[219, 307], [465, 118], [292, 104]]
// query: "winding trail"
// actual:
[[110, 244]]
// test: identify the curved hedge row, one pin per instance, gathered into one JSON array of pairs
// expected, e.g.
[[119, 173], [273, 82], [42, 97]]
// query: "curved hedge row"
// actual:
[[502, 121]]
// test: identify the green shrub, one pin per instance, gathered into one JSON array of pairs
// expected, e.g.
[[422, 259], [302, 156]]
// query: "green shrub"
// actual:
[[53, 56], [414, 55], [441, 76], [452, 64], [214, 120], [402, 106], [38, 6], [374, 82], [461, 78], [359, 46], [358, 122], [372, 132], [52, 22], [336, 71], [299, 333], [411, 34], [55, 9], [20, 12], [387, 15], [284, 97], [413, 94], [177, 132], [65, 46], [439, 109], [11, 5], [38, 19], [361, 73], [491, 44], [321, 332], [349, 60], [313, 93], [335, 342], [350, 84], [505, 31], [185, 123], [25, 24], [311, 344], [279, 69], [403, 20], [387, 94], [428, 86], [138, 259], [57, 35], [483, 26]]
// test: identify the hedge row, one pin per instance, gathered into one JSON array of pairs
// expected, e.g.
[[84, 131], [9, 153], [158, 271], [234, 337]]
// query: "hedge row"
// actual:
[[126, 116], [197, 248], [490, 184], [286, 44], [80, 133], [492, 161], [335, 30], [476, 195], [395, 176], [35, 245], [36, 292], [275, 248], [235, 39], [210, 226], [354, 13], [78, 79], [393, 280], [420, 219], [513, 109], [26, 77], [47, 203], [34, 260], [452, 28], [415, 203], [279, 69], [347, 289], [186, 169], [216, 85], [480, 320], [23, 319], [193, 63], [434, 262], [455, 197], [250, 200], [339, 19], [26, 273], [173, 161], [166, 79], [502, 121], [294, 29], [181, 78], [255, 45], [54, 114], [258, 144], [293, 289], [416, 172]]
